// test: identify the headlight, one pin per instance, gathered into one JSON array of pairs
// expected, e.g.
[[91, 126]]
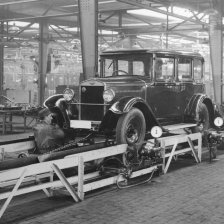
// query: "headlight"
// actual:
[[108, 95], [68, 94]]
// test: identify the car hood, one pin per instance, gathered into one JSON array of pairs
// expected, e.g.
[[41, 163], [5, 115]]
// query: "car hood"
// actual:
[[115, 80]]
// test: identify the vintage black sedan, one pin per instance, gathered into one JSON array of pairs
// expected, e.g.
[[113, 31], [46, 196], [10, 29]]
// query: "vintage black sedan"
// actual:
[[139, 89]]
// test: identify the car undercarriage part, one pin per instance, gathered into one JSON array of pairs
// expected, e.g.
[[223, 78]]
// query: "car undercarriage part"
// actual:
[[127, 182], [213, 139], [137, 157]]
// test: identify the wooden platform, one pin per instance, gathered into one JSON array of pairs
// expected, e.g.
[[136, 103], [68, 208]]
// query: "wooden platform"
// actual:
[[5, 138]]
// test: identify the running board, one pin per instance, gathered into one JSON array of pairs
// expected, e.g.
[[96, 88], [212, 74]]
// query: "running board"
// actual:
[[178, 126]]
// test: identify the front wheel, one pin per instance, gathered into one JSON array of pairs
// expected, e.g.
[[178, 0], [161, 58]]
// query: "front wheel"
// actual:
[[131, 127]]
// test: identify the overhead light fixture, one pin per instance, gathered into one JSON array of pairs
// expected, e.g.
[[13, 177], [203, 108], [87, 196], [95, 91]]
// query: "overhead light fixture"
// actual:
[[13, 28]]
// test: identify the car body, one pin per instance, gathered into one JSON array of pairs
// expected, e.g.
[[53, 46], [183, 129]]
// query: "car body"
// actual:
[[165, 86]]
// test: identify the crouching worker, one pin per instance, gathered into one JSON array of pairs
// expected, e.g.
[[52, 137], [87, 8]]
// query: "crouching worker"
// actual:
[[48, 135]]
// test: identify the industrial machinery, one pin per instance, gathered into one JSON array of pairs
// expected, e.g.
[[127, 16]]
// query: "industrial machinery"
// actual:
[[213, 138]]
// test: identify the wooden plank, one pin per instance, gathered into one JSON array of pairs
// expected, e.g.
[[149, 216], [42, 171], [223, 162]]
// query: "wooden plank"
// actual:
[[65, 182], [178, 152], [19, 136], [13, 192], [69, 161], [193, 150], [55, 184], [26, 179], [18, 147], [200, 147], [174, 141], [170, 140], [102, 153], [38, 168], [81, 178], [38, 180], [170, 157]]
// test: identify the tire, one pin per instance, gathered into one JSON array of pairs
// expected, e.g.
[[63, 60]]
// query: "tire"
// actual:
[[203, 116], [131, 127]]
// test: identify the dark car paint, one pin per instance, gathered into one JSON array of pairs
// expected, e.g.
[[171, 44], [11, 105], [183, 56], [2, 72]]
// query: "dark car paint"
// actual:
[[161, 102]]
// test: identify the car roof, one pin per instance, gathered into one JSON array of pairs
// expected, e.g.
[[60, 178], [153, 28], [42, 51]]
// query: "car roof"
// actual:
[[156, 51]]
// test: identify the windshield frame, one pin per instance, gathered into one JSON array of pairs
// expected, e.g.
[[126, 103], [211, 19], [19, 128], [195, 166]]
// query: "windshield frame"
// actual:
[[145, 58]]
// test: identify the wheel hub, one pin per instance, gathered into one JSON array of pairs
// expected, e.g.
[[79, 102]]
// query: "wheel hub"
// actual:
[[132, 134]]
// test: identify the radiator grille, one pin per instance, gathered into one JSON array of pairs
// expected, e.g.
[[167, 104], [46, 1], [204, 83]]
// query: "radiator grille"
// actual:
[[92, 95]]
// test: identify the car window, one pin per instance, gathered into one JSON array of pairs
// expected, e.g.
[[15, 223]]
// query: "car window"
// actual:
[[184, 69], [109, 67], [164, 69], [123, 66], [198, 75], [138, 68]]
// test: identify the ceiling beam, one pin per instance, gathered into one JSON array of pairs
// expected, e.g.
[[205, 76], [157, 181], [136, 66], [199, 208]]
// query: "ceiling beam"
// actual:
[[30, 18], [181, 23], [140, 19], [146, 5], [19, 2]]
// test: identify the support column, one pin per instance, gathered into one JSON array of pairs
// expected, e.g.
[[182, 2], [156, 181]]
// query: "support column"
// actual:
[[1, 62], [216, 51], [88, 17], [131, 40], [43, 54]]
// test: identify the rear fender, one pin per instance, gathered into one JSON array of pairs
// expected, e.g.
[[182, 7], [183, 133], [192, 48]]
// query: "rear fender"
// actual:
[[190, 114], [124, 105]]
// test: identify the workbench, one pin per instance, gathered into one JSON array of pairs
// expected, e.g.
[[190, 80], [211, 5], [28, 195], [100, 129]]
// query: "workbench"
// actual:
[[6, 118]]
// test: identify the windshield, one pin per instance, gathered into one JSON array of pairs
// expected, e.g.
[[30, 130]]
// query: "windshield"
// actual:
[[117, 65]]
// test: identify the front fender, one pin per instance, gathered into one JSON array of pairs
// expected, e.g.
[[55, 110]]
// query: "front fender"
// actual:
[[124, 105], [192, 107]]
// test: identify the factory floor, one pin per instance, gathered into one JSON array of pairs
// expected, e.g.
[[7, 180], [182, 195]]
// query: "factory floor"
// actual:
[[188, 193]]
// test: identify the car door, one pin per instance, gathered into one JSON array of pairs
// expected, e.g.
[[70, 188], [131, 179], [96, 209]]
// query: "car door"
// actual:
[[162, 94], [185, 81]]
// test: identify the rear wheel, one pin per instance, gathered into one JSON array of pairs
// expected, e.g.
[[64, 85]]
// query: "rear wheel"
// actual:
[[203, 117], [131, 127]]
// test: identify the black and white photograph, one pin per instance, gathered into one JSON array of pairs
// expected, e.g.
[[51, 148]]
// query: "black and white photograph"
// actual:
[[111, 112]]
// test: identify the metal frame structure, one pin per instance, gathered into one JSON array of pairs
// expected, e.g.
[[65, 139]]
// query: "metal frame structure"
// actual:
[[113, 16]]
